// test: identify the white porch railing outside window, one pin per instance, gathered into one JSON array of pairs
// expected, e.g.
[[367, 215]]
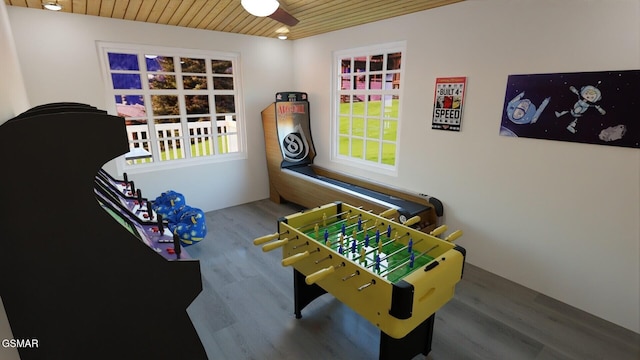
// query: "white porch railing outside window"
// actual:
[[165, 91], [169, 136]]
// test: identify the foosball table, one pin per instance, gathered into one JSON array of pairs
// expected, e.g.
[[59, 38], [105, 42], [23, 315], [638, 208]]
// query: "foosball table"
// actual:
[[390, 273]]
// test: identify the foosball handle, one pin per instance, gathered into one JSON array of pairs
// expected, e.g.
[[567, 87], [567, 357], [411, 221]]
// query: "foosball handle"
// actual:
[[453, 236], [294, 258], [319, 275], [275, 244], [266, 238], [388, 213], [412, 221], [439, 230]]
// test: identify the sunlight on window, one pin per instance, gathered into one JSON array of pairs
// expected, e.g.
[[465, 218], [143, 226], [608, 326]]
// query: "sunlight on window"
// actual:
[[367, 98], [176, 106]]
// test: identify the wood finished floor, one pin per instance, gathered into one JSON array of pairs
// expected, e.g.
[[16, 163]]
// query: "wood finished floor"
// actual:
[[246, 309]]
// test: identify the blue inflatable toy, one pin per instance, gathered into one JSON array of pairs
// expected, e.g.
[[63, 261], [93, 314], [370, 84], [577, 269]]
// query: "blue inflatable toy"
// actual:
[[168, 204], [191, 226], [187, 222]]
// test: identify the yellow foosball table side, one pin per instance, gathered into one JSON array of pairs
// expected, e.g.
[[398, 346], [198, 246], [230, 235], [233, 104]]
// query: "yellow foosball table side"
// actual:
[[394, 276]]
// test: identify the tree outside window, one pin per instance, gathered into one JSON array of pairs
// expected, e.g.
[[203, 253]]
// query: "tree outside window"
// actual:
[[176, 105]]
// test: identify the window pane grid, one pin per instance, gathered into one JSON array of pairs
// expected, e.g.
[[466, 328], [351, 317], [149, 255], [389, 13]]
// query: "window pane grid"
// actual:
[[176, 97], [200, 137], [367, 99], [139, 138]]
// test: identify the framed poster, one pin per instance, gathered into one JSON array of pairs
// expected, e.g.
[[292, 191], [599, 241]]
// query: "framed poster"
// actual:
[[447, 103], [597, 107]]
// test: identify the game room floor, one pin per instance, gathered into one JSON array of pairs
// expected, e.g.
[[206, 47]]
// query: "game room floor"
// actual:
[[245, 310]]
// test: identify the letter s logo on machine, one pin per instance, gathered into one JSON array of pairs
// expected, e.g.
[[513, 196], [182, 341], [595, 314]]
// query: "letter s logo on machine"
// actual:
[[294, 145]]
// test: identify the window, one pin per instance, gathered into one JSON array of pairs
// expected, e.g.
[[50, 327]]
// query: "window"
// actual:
[[367, 105], [182, 106]]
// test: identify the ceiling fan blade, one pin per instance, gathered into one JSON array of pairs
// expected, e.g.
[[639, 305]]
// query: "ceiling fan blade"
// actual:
[[284, 17]]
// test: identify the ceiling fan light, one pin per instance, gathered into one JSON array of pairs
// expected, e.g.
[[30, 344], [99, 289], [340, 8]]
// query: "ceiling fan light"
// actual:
[[53, 6], [260, 7]]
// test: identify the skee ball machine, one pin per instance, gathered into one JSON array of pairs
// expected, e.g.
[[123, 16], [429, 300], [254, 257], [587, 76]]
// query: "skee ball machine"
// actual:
[[390, 273], [294, 177]]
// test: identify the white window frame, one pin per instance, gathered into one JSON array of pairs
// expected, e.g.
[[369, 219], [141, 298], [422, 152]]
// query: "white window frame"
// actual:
[[336, 92], [122, 166]]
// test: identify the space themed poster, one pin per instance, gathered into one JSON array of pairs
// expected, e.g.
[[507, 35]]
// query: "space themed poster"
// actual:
[[448, 100], [585, 107]]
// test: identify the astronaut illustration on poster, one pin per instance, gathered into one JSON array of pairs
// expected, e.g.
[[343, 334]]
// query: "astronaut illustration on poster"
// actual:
[[587, 107], [523, 111], [588, 96]]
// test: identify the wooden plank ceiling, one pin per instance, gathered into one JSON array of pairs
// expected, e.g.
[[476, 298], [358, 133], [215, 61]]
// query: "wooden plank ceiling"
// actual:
[[315, 16]]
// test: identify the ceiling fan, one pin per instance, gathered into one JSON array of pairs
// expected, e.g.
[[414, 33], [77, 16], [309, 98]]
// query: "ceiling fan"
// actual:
[[270, 8]]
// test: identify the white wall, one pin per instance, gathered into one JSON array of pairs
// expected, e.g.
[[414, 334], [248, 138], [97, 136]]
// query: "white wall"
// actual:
[[59, 59], [13, 96], [561, 218], [13, 100]]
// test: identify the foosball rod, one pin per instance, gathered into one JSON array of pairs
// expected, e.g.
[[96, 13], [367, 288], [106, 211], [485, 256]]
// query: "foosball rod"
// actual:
[[266, 238], [390, 270], [317, 228], [323, 273], [384, 214], [391, 240], [372, 282], [414, 220], [354, 237], [366, 229], [435, 232], [353, 274], [411, 221], [324, 219], [439, 230], [452, 237]]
